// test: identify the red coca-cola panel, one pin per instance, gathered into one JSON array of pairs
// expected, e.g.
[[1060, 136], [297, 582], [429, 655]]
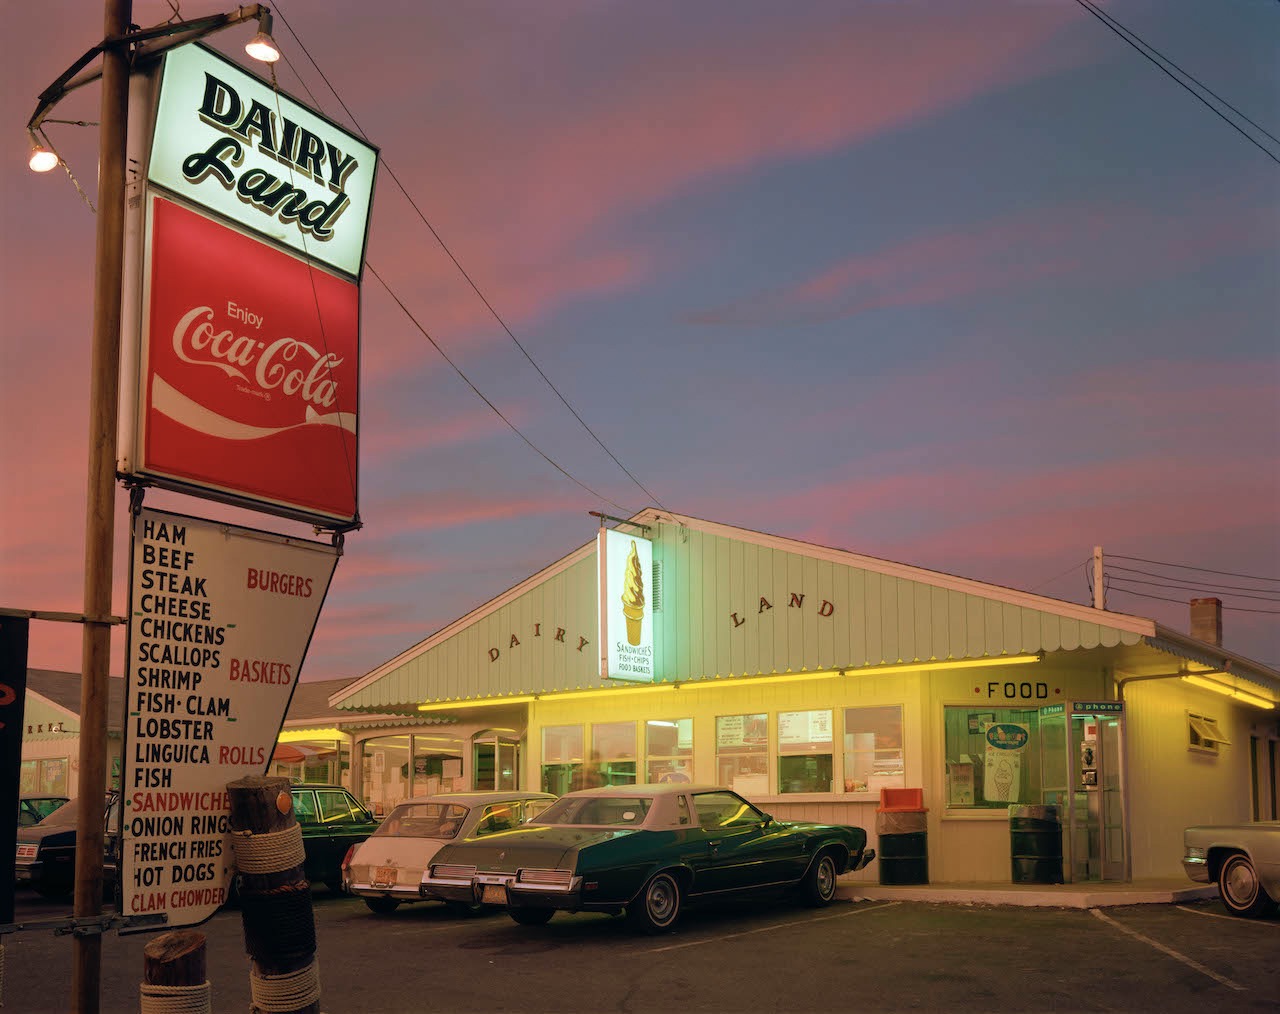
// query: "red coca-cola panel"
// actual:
[[249, 369]]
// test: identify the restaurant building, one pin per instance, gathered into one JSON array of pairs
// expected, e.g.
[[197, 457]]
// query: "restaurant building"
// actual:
[[810, 679]]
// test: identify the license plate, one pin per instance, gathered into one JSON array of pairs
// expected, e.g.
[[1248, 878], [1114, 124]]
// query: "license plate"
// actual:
[[385, 876], [494, 894]]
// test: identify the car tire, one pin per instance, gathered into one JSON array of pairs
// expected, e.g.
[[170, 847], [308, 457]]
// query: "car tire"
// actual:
[[819, 885], [1238, 885], [382, 906], [531, 916], [656, 908]]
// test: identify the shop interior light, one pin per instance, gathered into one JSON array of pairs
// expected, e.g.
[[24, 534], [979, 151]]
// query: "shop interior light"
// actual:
[[1240, 695], [755, 681], [262, 47]]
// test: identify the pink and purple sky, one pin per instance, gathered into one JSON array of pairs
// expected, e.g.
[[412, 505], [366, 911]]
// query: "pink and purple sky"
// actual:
[[971, 286]]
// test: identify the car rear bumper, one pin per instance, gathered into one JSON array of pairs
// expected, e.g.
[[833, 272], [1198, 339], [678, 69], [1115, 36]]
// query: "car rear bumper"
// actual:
[[504, 889]]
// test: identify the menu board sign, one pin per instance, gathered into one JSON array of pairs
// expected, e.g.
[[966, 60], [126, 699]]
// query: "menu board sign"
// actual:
[[804, 728], [220, 621]]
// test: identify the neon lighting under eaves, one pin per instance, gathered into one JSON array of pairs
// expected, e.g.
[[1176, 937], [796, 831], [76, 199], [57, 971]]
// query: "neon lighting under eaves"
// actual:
[[738, 681], [1226, 691]]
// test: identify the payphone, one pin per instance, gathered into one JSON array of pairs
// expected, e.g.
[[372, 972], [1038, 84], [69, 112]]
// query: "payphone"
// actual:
[[1083, 774]]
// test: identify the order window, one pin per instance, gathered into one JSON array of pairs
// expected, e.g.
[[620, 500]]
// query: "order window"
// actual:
[[804, 751], [613, 753], [742, 753], [873, 758], [669, 750], [562, 758], [992, 757]]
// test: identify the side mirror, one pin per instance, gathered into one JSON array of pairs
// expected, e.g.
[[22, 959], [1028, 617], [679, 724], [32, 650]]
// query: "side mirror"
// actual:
[[768, 819]]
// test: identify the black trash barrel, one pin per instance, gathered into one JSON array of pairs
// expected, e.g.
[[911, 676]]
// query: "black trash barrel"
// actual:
[[1035, 844], [903, 850]]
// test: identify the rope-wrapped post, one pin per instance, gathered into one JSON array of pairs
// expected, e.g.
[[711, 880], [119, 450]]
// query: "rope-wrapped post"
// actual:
[[174, 980], [275, 898]]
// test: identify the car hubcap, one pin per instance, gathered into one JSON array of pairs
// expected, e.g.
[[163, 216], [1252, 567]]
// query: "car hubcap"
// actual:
[[826, 878], [1241, 884], [662, 901]]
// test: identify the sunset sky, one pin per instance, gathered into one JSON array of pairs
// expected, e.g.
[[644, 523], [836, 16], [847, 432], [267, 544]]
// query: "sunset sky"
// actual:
[[967, 285]]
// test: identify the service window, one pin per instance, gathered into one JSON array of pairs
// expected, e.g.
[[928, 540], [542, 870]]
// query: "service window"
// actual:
[[669, 750], [613, 753], [742, 753], [562, 759], [873, 749], [804, 751], [992, 757]]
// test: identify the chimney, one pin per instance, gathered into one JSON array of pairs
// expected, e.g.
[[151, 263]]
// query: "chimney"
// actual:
[[1206, 620]]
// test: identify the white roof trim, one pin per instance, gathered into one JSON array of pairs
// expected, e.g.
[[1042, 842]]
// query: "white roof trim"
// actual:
[[477, 614], [998, 593]]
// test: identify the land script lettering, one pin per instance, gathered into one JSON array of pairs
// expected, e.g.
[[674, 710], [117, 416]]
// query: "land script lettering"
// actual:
[[281, 139]]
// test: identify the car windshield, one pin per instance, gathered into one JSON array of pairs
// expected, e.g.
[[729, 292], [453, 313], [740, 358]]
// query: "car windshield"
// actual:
[[424, 820], [596, 811]]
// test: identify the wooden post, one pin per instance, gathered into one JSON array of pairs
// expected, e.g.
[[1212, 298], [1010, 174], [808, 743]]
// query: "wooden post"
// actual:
[[173, 964], [275, 897]]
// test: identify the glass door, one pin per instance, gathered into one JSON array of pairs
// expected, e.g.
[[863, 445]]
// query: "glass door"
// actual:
[[495, 761]]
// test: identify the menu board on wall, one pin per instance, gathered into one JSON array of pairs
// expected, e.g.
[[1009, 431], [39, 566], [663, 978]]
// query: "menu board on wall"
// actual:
[[741, 732], [220, 621], [804, 728]]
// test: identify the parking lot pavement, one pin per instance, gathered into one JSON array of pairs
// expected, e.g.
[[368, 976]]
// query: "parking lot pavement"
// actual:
[[864, 956]]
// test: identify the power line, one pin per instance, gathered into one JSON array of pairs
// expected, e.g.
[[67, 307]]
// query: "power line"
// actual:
[[1159, 60], [1217, 585], [475, 288], [1191, 587], [1162, 598], [426, 334], [1188, 566]]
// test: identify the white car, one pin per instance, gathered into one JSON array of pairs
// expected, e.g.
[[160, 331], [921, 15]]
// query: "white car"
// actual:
[[386, 869], [1242, 859]]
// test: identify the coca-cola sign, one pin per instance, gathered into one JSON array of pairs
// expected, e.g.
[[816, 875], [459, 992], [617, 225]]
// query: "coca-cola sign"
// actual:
[[248, 385], [231, 143]]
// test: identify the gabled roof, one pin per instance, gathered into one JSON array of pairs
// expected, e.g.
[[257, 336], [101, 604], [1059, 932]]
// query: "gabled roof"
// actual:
[[61, 692], [908, 614]]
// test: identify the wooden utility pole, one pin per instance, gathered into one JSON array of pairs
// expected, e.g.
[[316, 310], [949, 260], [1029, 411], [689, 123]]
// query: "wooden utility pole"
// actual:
[[174, 973], [99, 532]]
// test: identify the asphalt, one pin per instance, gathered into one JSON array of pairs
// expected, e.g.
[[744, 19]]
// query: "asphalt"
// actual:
[[1088, 894]]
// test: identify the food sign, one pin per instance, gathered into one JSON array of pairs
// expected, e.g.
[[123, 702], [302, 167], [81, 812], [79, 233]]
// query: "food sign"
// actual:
[[626, 606], [220, 620]]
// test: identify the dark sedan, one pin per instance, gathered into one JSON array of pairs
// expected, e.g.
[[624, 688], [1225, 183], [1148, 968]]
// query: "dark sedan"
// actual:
[[645, 850], [46, 855]]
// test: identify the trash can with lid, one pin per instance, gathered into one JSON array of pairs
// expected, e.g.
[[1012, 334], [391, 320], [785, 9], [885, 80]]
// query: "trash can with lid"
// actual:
[[904, 839], [1035, 844]]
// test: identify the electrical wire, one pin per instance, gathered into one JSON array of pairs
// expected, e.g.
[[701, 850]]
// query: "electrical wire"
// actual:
[[1159, 60], [427, 335], [471, 282], [1058, 578], [1192, 587], [1198, 584], [1162, 598], [1188, 566]]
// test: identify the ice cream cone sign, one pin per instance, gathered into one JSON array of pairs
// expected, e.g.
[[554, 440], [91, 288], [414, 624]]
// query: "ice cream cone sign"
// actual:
[[633, 595]]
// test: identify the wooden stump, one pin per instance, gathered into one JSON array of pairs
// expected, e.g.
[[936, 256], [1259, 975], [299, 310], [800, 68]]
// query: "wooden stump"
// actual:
[[176, 958], [273, 904]]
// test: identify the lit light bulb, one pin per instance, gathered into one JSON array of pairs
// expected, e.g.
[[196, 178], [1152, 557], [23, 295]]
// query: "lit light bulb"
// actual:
[[42, 159], [262, 47]]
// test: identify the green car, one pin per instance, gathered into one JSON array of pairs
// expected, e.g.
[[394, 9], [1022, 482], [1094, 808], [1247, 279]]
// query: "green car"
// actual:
[[332, 820], [645, 850]]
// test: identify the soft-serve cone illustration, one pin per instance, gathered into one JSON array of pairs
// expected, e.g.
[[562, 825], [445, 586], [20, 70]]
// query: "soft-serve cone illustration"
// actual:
[[633, 596]]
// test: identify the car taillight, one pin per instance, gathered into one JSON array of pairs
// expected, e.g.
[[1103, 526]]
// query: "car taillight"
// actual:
[[346, 860]]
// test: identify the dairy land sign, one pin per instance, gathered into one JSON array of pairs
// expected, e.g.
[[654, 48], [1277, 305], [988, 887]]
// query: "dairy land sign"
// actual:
[[243, 290], [220, 620], [229, 142]]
